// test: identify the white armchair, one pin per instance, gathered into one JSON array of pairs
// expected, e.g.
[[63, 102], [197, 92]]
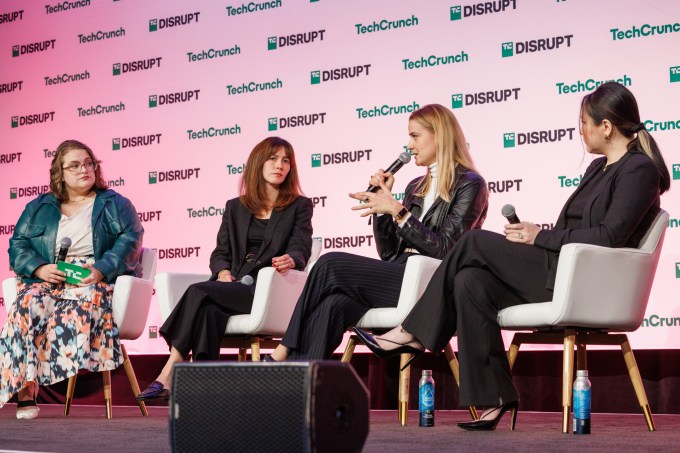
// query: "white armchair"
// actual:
[[264, 323], [598, 290], [131, 302]]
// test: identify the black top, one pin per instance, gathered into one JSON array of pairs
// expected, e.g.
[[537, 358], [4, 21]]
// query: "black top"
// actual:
[[591, 187], [255, 235]]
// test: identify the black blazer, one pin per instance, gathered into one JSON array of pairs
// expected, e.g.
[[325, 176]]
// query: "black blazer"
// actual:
[[443, 224], [288, 231], [618, 215]]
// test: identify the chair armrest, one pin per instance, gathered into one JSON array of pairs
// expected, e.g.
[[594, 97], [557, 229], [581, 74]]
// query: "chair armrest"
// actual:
[[130, 304], [9, 291], [170, 287]]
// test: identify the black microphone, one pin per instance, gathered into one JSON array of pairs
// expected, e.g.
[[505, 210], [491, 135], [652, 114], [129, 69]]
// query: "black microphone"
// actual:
[[63, 249], [508, 212], [246, 280], [404, 158]]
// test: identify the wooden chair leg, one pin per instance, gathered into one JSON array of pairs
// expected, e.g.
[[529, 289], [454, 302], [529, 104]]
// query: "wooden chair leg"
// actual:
[[455, 369], [69, 393], [132, 378], [349, 349], [242, 354], [106, 376], [255, 349], [567, 376], [636, 379], [404, 377], [581, 357]]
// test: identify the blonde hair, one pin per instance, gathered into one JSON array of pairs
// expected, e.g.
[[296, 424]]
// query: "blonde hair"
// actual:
[[451, 147]]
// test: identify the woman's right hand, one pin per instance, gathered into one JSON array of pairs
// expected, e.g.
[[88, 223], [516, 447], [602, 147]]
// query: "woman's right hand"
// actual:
[[50, 274], [380, 177], [225, 276]]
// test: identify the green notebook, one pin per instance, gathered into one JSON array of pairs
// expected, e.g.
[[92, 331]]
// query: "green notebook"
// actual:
[[74, 273]]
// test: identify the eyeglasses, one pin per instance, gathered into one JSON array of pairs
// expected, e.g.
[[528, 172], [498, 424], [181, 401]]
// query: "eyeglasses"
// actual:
[[74, 167]]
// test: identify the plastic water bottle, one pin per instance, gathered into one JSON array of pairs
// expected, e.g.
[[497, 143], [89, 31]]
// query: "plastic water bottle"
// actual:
[[581, 398], [426, 399]]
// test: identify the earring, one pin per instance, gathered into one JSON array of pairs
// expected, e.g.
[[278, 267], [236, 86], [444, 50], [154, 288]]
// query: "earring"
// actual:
[[607, 138]]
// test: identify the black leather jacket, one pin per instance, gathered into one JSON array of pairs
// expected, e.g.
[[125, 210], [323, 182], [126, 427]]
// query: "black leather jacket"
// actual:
[[442, 225]]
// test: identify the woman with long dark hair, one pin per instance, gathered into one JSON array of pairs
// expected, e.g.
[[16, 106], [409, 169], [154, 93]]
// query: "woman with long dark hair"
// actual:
[[613, 206]]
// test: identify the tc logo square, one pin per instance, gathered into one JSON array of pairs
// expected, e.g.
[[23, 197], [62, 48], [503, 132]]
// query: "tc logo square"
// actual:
[[509, 140], [676, 171], [316, 77], [15, 51], [116, 69], [12, 193], [153, 331], [153, 100], [677, 270], [153, 177], [271, 43], [675, 74], [116, 144], [457, 101], [316, 160], [273, 124], [153, 24], [456, 13], [507, 49], [15, 121]]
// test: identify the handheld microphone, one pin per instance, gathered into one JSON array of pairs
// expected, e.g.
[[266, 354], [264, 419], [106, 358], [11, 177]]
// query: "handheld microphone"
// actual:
[[63, 249], [404, 158], [508, 212], [246, 280]]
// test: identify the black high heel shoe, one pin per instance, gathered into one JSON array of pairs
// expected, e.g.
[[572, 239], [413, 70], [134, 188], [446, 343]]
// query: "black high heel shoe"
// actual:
[[490, 424], [403, 348]]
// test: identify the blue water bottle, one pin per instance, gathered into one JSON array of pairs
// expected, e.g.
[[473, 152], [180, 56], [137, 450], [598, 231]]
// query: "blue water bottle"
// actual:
[[426, 399], [581, 397]]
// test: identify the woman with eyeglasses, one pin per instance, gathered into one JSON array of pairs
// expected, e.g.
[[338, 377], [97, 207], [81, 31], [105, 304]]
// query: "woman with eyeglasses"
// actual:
[[55, 328]]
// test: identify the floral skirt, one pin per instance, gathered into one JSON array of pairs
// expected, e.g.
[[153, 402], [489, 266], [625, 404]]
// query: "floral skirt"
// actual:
[[52, 331]]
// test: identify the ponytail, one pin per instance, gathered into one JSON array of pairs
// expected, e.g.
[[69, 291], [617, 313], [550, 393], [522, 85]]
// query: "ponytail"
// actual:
[[645, 142]]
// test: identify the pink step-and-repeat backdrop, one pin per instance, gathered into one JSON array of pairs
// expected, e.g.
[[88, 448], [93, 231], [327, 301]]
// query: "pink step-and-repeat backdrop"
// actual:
[[172, 96]]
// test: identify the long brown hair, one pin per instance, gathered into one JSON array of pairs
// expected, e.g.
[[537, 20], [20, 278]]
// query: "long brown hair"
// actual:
[[451, 147], [57, 184], [253, 185]]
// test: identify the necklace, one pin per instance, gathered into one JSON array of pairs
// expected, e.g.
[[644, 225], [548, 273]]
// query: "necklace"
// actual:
[[78, 201]]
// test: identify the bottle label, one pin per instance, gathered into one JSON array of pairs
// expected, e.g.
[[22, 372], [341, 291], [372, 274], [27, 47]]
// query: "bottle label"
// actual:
[[582, 403], [426, 404]]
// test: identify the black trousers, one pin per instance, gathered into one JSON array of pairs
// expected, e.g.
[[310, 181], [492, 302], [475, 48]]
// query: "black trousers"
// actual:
[[483, 273], [340, 289], [198, 320]]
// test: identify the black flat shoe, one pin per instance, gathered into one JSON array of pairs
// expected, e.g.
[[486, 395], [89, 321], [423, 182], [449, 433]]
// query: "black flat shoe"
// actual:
[[490, 424], [403, 348], [155, 391], [269, 358]]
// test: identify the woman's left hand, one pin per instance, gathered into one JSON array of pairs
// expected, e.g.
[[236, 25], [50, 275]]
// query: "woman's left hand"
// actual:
[[523, 232], [283, 263], [95, 276], [377, 203]]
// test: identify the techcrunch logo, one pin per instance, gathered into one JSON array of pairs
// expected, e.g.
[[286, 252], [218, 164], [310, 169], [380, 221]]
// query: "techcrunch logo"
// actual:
[[434, 60], [484, 97], [673, 223], [6, 230], [101, 109], [480, 9], [37, 118], [11, 86], [178, 252], [504, 185], [233, 169], [173, 175], [275, 42], [508, 49], [10, 158], [210, 211], [66, 6], [66, 78], [253, 87], [174, 21], [658, 321], [644, 30], [340, 158], [212, 53], [132, 142], [137, 65], [566, 181], [252, 7], [654, 126], [676, 171], [213, 132], [296, 121], [349, 72], [30, 191], [101, 35], [510, 139], [172, 98], [11, 17], [40, 46], [386, 110], [386, 24], [674, 71], [149, 216], [115, 182], [589, 85]]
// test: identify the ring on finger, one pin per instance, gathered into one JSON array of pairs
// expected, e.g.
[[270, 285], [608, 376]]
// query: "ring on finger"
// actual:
[[520, 235]]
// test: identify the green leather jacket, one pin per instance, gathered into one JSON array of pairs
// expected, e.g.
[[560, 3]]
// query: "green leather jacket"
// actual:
[[116, 236]]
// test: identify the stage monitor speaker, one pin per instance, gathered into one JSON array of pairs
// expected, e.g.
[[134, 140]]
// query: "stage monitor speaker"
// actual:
[[319, 406]]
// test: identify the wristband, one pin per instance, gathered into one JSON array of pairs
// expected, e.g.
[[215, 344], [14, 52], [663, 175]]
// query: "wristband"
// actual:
[[401, 214]]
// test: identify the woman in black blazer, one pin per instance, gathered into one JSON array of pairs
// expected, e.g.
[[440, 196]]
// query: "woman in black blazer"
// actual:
[[438, 208], [613, 206], [270, 224]]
